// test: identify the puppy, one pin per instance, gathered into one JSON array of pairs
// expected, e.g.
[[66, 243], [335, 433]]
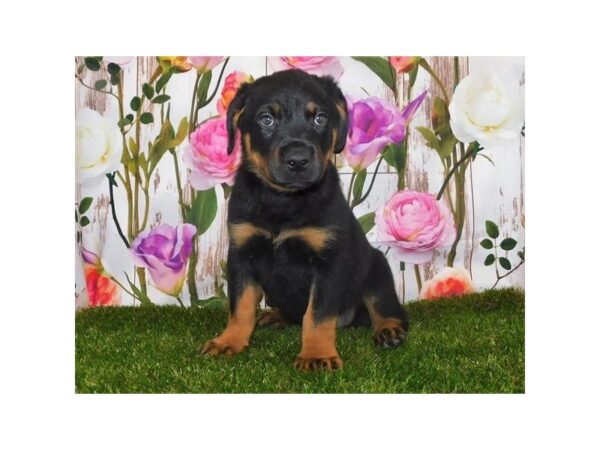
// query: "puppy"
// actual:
[[293, 237]]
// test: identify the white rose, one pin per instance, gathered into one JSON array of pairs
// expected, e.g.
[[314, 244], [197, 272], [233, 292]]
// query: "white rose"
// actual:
[[98, 147], [488, 108]]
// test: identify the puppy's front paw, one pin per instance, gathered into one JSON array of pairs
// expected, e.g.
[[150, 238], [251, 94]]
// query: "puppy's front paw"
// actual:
[[222, 346], [390, 336], [314, 363]]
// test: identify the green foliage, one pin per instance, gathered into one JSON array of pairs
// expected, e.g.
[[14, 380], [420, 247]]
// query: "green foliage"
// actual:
[[85, 204], [163, 80], [100, 84], [113, 68], [203, 86], [167, 139], [487, 244], [148, 91], [489, 260], [146, 118], [395, 155], [84, 221], [139, 295], [508, 244], [135, 103], [203, 210], [92, 63], [161, 99], [440, 138], [381, 67], [505, 263], [367, 221], [359, 183], [491, 229]]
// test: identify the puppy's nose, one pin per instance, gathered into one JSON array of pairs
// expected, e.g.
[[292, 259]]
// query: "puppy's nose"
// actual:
[[297, 157]]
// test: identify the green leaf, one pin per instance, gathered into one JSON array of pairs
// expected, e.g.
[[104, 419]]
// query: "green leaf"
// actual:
[[508, 244], [147, 118], [135, 103], [381, 67], [412, 76], [447, 146], [395, 156], [161, 99], [161, 144], [226, 190], [115, 79], [92, 63], [100, 84], [85, 204], [84, 221], [439, 114], [489, 260], [367, 221], [491, 229], [113, 68], [129, 117], [521, 254], [505, 263], [431, 139], [123, 122], [359, 183], [487, 244], [181, 134], [148, 90], [203, 86], [204, 210], [139, 295], [163, 80]]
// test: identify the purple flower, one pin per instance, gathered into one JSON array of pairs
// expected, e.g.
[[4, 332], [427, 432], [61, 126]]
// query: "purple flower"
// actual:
[[375, 124], [164, 251]]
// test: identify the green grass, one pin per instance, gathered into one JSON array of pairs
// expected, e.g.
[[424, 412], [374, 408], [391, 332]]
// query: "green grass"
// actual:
[[470, 344]]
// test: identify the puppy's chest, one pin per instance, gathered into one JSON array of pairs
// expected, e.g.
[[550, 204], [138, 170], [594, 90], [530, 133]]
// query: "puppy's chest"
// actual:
[[298, 245]]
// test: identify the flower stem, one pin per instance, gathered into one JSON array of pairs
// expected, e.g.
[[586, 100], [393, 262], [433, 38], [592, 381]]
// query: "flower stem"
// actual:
[[111, 183], [209, 99], [418, 277], [182, 205], [507, 274], [180, 302], [364, 197], [350, 186], [439, 82], [192, 123]]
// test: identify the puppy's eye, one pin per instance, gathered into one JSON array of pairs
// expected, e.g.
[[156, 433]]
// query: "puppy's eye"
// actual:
[[320, 119], [266, 120]]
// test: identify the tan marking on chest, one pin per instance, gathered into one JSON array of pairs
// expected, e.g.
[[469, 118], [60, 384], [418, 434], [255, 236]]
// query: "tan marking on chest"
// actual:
[[241, 233], [316, 238]]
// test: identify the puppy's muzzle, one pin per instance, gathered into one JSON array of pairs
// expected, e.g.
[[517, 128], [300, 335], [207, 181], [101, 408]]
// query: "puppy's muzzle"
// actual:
[[297, 155]]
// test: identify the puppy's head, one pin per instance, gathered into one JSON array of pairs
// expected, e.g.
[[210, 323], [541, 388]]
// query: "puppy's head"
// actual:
[[291, 124]]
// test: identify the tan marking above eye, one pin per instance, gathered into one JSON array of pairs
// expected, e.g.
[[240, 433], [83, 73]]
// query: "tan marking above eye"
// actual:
[[316, 238], [241, 233], [311, 107], [276, 108]]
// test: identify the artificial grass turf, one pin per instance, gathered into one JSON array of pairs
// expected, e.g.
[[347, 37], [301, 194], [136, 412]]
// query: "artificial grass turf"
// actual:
[[470, 344]]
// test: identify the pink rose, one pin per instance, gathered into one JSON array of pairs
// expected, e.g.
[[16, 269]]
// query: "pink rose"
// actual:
[[316, 65], [231, 85], [205, 63], [404, 64], [415, 224], [449, 282], [207, 158]]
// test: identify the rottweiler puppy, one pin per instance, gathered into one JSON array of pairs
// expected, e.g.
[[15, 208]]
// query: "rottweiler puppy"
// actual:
[[293, 237]]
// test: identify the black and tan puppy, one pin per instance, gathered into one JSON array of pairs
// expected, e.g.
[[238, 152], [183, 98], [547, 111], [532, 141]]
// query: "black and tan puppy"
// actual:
[[292, 235]]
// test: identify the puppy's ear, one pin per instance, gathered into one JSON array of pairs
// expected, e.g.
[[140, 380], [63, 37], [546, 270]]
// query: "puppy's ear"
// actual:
[[333, 90], [234, 111]]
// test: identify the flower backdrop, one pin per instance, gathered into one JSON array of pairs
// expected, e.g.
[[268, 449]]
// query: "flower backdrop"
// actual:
[[433, 170]]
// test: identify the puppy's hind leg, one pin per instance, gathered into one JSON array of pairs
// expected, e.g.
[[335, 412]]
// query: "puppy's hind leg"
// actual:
[[388, 317]]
